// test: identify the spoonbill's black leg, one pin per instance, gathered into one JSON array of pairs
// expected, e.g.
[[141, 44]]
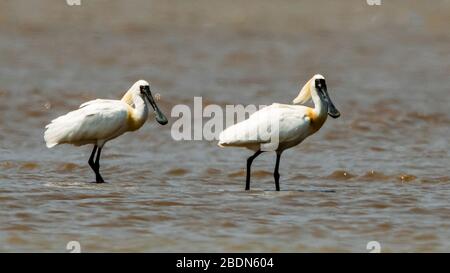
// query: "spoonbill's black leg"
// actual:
[[276, 175], [98, 177], [91, 160], [249, 165]]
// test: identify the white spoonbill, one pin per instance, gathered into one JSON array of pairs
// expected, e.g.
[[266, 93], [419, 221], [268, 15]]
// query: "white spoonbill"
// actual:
[[98, 121], [295, 123]]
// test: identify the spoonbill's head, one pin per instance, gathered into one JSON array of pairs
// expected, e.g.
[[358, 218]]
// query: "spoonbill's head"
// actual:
[[144, 92], [317, 86]]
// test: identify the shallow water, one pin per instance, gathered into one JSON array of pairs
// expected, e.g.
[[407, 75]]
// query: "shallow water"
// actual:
[[380, 172]]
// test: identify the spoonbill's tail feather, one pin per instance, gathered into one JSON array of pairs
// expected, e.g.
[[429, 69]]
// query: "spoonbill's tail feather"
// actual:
[[105, 119], [53, 135], [236, 135], [58, 130], [247, 133], [284, 122]]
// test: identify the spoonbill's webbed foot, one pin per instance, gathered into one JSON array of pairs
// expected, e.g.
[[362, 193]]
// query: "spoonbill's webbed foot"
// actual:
[[99, 178], [276, 174], [249, 165]]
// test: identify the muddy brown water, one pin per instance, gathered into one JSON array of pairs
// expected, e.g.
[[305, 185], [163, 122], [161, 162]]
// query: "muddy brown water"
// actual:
[[381, 172]]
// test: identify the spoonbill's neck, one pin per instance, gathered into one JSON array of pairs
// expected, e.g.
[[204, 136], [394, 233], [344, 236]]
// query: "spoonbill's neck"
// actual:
[[138, 111]]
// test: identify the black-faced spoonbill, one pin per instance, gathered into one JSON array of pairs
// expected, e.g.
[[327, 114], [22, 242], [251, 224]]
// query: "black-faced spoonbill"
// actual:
[[294, 122], [98, 121]]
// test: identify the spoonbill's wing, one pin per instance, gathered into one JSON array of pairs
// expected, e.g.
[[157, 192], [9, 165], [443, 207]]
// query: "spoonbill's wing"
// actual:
[[291, 122], [94, 120], [97, 101], [294, 123]]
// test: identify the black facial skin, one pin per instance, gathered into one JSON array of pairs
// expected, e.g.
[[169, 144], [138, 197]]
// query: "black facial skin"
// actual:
[[160, 118], [321, 86]]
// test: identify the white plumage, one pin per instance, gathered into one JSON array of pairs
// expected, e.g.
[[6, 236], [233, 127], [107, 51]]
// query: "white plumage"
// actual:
[[292, 120], [95, 122], [281, 126], [98, 121]]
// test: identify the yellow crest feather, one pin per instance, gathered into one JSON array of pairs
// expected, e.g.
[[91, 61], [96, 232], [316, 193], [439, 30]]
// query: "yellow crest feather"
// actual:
[[305, 94]]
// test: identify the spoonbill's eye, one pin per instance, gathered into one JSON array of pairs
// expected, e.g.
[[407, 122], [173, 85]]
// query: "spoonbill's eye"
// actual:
[[320, 83]]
